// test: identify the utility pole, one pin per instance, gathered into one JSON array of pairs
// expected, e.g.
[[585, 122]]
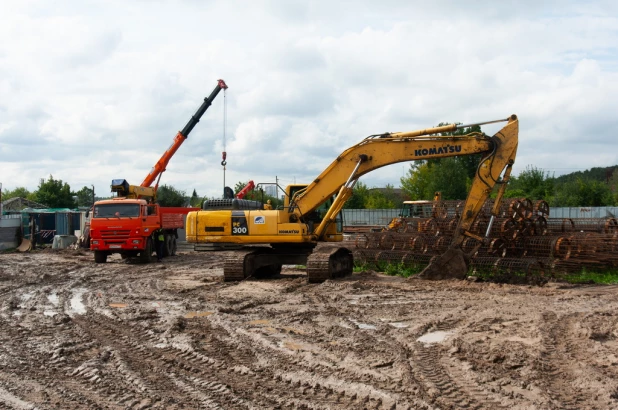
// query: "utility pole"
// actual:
[[92, 194]]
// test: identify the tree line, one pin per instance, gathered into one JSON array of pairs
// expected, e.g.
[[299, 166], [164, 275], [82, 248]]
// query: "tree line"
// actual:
[[451, 176], [54, 193]]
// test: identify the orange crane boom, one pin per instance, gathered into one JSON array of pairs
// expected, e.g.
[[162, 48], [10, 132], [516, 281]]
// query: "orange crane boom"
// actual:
[[160, 166]]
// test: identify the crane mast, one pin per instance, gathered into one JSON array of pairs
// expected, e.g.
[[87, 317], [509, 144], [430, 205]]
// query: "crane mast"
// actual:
[[160, 166]]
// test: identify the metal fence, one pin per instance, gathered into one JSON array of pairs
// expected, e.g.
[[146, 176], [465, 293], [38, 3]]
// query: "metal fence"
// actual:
[[584, 212], [368, 217]]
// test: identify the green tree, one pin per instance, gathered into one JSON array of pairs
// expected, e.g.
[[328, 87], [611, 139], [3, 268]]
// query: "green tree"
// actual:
[[533, 183], [449, 177], [424, 178], [360, 192], [379, 200], [514, 193], [85, 196], [583, 192], [417, 181], [195, 200], [19, 192], [613, 185], [169, 196], [55, 194]]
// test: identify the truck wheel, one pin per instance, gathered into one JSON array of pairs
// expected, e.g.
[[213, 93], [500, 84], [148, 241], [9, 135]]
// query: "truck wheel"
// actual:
[[167, 246], [174, 246], [144, 256], [100, 256]]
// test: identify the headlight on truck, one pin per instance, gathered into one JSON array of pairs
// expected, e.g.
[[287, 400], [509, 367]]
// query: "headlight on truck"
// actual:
[[136, 241], [95, 242]]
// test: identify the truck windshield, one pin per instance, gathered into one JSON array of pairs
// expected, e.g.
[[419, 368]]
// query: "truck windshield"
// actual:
[[116, 210]]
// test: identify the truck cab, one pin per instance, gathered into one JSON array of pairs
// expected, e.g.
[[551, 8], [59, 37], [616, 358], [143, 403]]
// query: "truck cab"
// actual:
[[121, 225]]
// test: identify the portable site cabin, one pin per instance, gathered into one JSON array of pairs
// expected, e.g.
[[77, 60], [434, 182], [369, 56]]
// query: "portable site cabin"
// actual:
[[16, 222]]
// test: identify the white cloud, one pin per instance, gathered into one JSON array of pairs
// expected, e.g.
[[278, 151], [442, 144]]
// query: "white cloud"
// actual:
[[96, 90]]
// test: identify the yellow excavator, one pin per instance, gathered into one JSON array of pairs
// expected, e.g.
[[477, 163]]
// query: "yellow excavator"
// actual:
[[311, 213]]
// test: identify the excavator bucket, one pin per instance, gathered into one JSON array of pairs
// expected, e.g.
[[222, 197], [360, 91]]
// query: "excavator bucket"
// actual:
[[452, 264], [25, 245]]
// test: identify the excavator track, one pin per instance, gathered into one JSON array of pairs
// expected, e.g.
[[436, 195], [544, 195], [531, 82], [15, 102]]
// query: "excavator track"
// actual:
[[234, 265], [329, 263]]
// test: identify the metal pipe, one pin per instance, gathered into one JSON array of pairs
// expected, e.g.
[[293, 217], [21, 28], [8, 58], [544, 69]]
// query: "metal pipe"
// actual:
[[491, 222], [362, 158], [481, 123]]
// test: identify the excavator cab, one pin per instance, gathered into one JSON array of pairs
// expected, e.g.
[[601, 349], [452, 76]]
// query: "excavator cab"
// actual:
[[337, 227], [416, 209], [315, 217]]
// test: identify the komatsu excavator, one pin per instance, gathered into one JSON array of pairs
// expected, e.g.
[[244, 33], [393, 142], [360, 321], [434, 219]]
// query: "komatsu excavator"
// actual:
[[310, 214]]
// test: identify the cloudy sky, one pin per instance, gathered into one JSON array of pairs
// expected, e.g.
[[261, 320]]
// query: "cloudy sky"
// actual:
[[96, 90]]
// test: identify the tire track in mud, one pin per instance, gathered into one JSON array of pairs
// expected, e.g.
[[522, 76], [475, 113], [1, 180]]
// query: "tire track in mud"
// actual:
[[375, 388], [559, 361], [153, 371], [426, 377], [34, 375], [326, 378], [555, 360], [325, 384], [283, 343], [441, 381], [213, 382]]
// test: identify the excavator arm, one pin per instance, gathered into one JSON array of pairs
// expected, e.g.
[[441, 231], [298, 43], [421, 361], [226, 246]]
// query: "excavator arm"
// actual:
[[380, 150]]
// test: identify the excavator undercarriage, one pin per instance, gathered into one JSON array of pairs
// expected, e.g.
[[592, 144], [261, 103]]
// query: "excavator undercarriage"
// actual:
[[261, 261]]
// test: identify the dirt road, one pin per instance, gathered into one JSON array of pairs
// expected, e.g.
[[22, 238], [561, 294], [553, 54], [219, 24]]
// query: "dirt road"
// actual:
[[76, 335]]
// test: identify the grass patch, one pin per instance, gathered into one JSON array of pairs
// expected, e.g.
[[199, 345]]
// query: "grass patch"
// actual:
[[388, 268], [400, 269], [360, 267], [490, 275], [608, 278]]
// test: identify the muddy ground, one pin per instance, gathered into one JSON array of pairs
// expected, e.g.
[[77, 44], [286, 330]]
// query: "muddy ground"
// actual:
[[121, 335]]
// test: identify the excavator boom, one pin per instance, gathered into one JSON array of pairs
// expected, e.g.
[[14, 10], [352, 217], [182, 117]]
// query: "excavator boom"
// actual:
[[377, 151]]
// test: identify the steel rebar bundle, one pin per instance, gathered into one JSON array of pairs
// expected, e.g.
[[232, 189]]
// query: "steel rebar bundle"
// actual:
[[522, 239]]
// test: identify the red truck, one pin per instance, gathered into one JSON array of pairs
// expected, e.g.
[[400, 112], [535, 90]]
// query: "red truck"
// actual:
[[126, 224]]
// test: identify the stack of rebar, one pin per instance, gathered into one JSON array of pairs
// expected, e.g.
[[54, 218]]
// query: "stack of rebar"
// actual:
[[522, 240]]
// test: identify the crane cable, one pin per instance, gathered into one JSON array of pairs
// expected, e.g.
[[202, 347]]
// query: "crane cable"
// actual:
[[224, 154]]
